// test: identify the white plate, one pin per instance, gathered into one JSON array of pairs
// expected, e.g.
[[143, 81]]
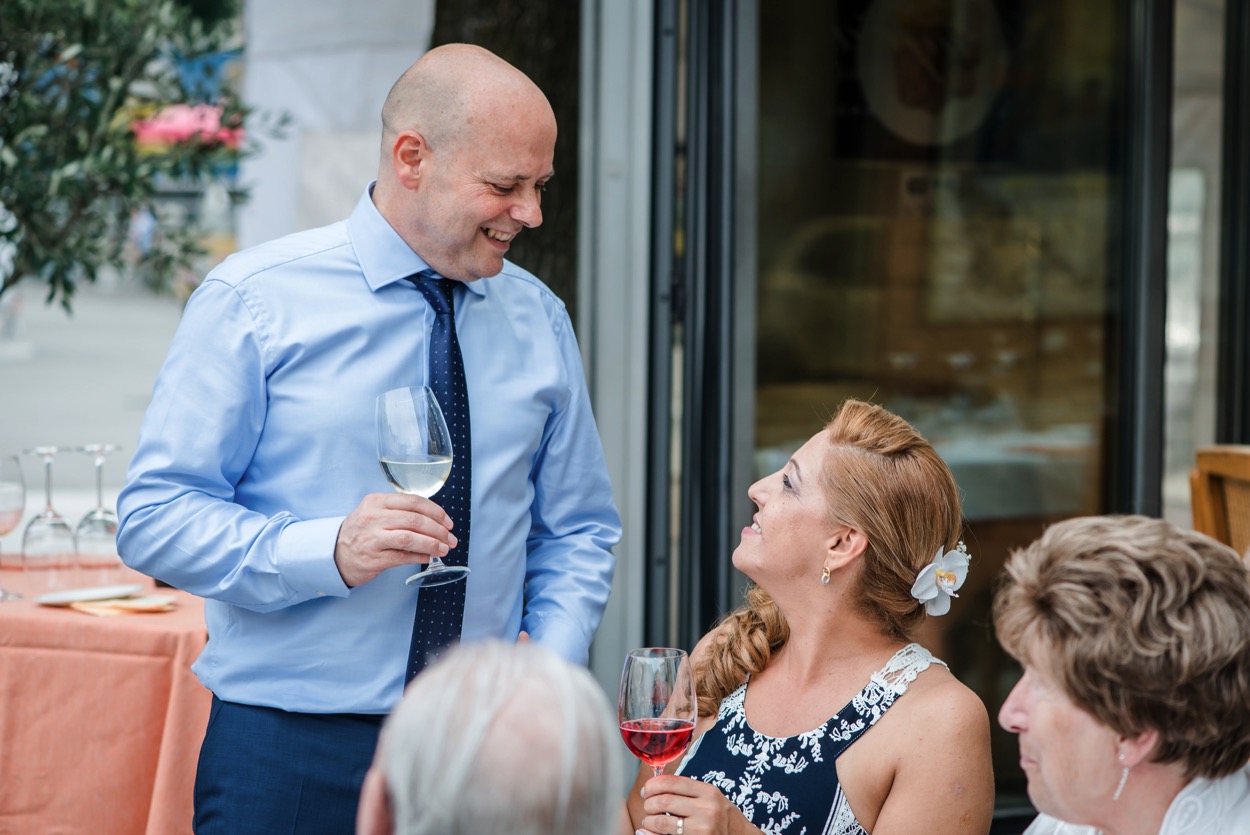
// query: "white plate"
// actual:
[[64, 598]]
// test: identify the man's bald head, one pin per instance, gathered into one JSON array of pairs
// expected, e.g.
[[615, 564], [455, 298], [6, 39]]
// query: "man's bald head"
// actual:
[[468, 145], [449, 90]]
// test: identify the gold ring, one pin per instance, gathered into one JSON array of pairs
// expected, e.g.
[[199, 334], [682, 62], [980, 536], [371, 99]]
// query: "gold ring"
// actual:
[[681, 826]]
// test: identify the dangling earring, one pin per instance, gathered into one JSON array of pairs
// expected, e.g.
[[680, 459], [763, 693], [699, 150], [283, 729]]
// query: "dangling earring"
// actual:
[[824, 576], [1123, 779]]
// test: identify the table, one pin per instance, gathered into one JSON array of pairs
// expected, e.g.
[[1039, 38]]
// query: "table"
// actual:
[[101, 718]]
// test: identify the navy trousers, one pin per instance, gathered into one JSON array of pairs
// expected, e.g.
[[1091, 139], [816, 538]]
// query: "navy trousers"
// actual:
[[270, 772]]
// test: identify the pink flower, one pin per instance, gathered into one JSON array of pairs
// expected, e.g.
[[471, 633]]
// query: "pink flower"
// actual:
[[182, 122]]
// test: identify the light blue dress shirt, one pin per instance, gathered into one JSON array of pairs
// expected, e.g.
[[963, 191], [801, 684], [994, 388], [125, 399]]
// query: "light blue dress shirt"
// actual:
[[260, 439]]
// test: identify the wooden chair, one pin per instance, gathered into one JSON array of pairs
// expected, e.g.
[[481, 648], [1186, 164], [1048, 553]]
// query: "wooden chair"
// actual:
[[1220, 492]]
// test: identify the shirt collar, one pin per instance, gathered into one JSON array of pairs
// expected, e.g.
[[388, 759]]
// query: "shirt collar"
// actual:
[[383, 255]]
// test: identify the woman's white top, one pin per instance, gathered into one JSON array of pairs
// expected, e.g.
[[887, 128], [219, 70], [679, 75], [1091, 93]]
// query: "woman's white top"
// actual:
[[1204, 807]]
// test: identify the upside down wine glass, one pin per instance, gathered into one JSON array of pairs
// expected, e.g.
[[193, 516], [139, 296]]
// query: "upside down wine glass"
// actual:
[[96, 534], [656, 705], [47, 542], [12, 504], [414, 449]]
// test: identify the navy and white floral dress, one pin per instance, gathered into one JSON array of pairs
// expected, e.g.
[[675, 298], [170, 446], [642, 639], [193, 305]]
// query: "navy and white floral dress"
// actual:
[[790, 785]]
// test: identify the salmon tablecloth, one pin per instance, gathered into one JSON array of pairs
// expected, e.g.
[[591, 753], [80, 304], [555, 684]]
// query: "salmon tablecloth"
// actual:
[[101, 718]]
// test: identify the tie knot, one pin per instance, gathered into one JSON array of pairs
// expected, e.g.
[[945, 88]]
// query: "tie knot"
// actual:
[[436, 289]]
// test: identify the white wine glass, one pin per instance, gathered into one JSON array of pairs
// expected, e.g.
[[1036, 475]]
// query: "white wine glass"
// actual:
[[12, 504], [48, 541], [656, 707], [414, 449], [96, 533]]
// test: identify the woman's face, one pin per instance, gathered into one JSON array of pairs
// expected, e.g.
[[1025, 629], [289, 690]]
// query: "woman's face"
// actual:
[[1069, 757], [790, 531]]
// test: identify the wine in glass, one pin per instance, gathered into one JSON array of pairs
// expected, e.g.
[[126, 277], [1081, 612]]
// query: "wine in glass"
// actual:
[[12, 505], [656, 707], [414, 449], [96, 533], [47, 542]]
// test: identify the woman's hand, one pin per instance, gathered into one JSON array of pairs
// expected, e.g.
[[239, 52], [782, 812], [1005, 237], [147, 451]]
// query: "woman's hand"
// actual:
[[681, 806]]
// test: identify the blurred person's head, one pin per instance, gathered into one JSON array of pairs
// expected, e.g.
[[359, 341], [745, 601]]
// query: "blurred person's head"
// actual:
[[468, 143], [496, 738], [1134, 636]]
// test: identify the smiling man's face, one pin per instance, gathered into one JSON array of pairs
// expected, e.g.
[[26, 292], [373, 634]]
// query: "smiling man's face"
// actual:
[[472, 198]]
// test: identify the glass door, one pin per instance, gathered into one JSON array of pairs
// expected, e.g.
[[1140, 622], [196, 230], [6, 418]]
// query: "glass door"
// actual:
[[944, 228], [954, 208]]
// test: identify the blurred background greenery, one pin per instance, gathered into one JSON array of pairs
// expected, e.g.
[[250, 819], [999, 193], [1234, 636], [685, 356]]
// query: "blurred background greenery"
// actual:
[[104, 106]]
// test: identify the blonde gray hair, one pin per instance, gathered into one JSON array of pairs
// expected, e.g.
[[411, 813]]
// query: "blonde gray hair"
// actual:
[[498, 737], [1145, 626]]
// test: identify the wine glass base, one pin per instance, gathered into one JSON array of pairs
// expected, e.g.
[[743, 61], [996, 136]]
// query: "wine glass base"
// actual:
[[439, 576], [5, 594]]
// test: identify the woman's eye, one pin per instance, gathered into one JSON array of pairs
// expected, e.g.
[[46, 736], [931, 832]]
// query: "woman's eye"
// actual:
[[785, 482], [501, 189]]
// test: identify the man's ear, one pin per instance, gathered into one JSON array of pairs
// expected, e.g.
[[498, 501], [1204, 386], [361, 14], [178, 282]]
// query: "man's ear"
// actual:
[[409, 153], [374, 816], [844, 546]]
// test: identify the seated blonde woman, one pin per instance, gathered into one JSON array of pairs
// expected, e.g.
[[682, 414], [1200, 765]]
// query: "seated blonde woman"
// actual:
[[1134, 709], [818, 713]]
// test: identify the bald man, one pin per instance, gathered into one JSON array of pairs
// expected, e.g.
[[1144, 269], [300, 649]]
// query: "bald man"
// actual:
[[255, 483]]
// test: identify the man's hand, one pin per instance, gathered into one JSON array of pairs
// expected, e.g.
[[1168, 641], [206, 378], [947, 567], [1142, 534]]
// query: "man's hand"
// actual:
[[390, 529]]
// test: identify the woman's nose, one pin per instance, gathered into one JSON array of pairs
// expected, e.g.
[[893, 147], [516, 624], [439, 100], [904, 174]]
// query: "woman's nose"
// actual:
[[1011, 716], [756, 492]]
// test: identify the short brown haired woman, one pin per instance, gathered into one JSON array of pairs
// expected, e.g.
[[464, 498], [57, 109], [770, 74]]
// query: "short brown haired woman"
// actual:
[[1134, 709], [818, 713]]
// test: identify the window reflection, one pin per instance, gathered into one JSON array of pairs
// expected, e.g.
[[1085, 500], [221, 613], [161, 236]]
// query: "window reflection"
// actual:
[[937, 234]]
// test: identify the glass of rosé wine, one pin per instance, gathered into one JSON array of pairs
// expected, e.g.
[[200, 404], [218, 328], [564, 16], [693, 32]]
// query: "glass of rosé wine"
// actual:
[[656, 705]]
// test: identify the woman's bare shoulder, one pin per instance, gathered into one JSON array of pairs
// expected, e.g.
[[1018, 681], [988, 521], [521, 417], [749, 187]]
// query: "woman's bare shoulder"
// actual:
[[937, 715], [937, 694], [930, 750]]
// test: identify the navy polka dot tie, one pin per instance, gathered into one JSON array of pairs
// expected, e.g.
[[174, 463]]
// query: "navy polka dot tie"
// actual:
[[440, 609]]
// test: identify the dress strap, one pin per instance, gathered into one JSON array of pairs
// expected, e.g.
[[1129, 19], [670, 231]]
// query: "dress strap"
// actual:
[[903, 667], [871, 703]]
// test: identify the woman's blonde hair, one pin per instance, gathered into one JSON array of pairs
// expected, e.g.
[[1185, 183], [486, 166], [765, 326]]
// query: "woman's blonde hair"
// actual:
[[1145, 626], [880, 477]]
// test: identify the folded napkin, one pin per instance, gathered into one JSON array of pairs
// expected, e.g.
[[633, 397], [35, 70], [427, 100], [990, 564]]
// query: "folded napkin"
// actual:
[[127, 605]]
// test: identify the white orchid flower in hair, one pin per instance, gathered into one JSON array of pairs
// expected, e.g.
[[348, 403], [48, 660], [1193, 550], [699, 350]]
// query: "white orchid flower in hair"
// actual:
[[939, 580]]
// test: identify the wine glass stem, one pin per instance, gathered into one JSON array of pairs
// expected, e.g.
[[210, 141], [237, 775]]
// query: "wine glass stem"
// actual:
[[47, 483], [99, 483]]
